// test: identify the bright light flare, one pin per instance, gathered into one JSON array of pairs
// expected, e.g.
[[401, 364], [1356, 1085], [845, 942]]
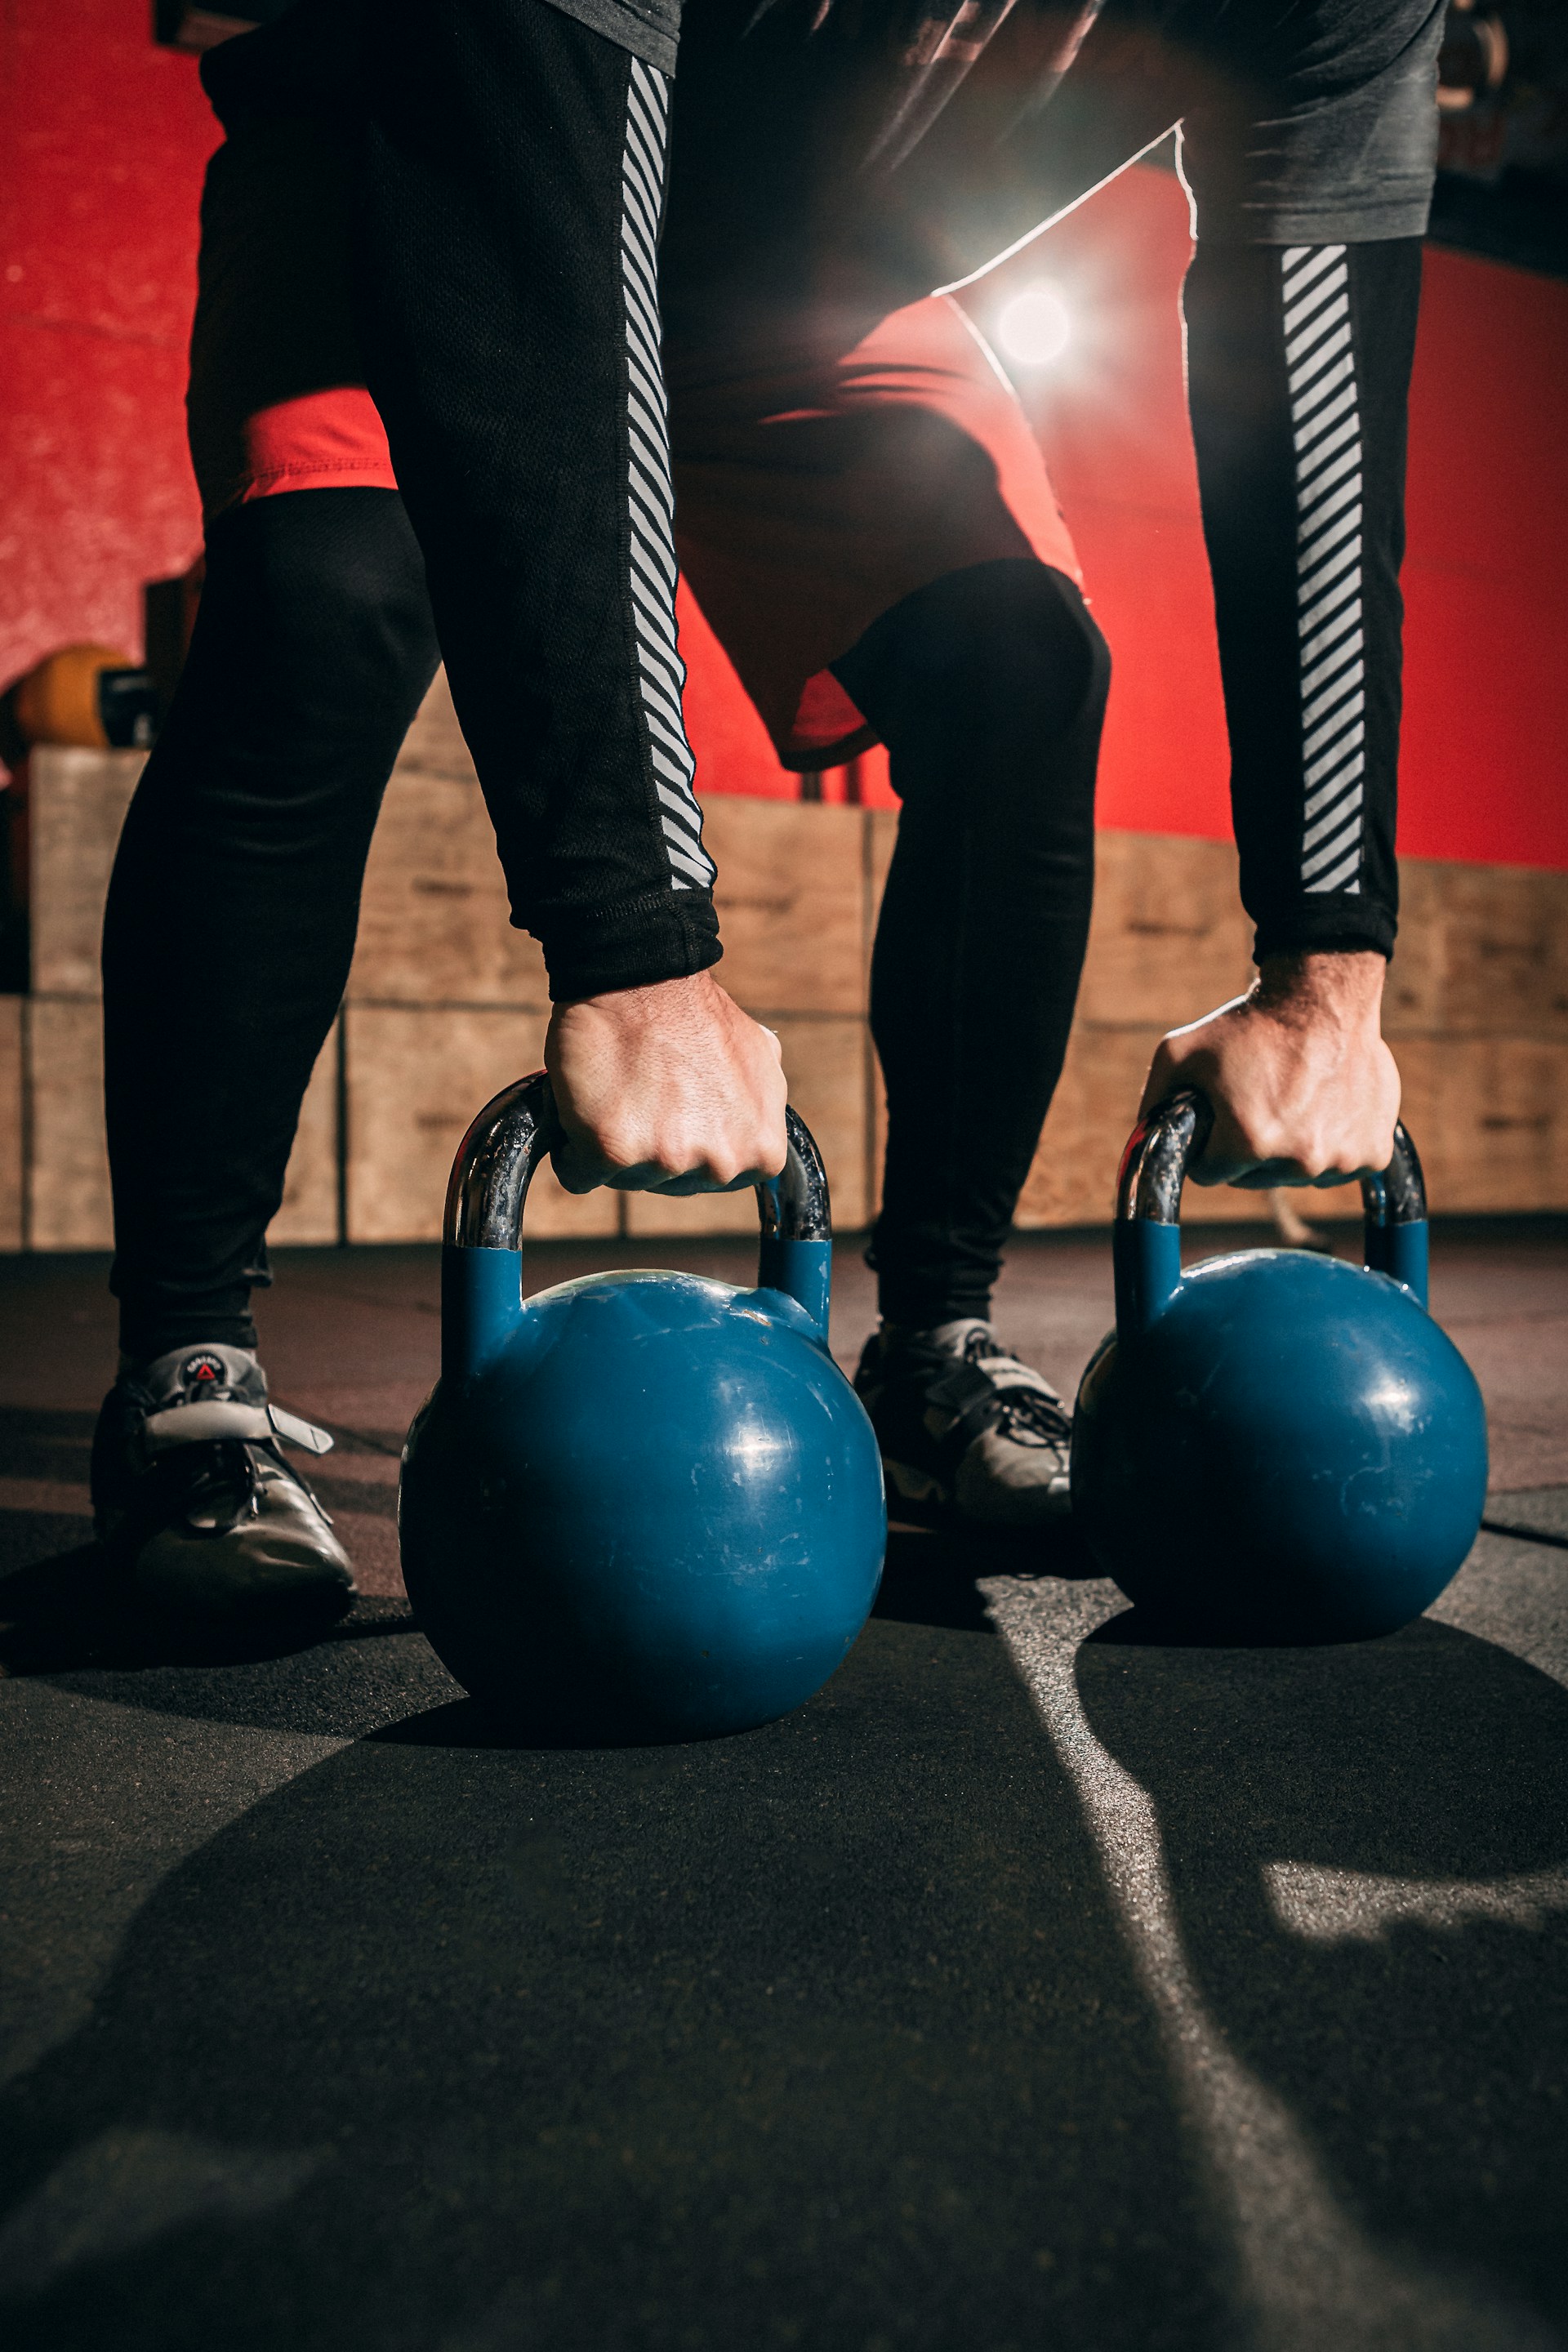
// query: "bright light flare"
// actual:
[[1035, 327]]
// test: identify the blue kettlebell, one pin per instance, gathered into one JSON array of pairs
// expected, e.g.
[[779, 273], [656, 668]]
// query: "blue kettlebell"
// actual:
[[636, 1506], [1272, 1446]]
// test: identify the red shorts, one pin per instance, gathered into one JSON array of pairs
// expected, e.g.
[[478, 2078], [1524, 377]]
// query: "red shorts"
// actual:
[[810, 496]]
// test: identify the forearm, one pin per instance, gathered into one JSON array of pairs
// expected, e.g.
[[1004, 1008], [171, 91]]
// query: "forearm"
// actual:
[[1299, 367], [512, 180]]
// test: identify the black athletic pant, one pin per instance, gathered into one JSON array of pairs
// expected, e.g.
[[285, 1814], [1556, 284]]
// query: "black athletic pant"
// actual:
[[232, 911], [988, 689], [235, 896]]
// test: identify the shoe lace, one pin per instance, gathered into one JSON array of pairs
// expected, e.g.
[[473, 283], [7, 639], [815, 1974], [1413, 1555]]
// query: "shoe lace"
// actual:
[[220, 1489], [1031, 1411]]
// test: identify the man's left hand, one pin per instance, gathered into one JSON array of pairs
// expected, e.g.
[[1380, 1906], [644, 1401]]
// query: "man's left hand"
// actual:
[[1303, 1088]]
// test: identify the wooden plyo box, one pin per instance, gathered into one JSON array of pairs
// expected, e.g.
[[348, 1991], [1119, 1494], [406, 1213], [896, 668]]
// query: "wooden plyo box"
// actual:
[[77, 801], [1483, 951], [793, 904], [67, 1202], [1169, 941], [76, 806], [12, 1126], [434, 923], [417, 1076], [447, 1003]]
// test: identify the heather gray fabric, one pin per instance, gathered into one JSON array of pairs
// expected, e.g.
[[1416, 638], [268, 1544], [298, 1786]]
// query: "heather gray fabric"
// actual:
[[1329, 134], [648, 28]]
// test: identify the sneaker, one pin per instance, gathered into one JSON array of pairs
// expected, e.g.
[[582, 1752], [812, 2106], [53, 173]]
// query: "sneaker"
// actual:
[[969, 1433], [194, 1503]]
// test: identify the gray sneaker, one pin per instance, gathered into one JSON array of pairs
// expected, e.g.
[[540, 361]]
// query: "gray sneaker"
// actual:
[[194, 1503], [970, 1435]]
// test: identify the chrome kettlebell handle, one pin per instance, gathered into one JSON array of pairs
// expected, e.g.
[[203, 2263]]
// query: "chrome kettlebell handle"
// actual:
[[497, 1157], [1163, 1147]]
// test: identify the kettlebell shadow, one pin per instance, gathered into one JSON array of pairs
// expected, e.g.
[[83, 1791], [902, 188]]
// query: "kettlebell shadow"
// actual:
[[1368, 1850], [797, 2036], [931, 1577]]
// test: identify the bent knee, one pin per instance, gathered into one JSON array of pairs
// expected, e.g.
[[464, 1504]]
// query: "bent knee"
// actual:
[[327, 585], [1012, 637]]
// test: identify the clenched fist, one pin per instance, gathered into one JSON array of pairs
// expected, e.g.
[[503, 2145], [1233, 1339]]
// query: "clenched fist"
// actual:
[[671, 1088], [1303, 1089]]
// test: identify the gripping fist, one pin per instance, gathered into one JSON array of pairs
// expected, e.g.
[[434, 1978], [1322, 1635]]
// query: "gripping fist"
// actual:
[[671, 1088], [1303, 1088]]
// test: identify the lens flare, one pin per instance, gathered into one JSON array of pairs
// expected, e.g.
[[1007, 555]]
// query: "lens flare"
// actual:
[[1034, 327]]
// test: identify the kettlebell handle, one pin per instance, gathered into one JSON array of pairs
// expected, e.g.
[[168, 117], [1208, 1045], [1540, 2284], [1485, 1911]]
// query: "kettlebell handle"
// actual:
[[1163, 1147], [497, 1157]]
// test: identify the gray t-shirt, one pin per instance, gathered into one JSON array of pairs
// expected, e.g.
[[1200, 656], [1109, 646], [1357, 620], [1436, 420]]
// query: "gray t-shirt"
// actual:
[[649, 29]]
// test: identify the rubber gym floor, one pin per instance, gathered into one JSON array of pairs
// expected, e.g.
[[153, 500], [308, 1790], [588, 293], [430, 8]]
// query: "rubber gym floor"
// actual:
[[1033, 1987]]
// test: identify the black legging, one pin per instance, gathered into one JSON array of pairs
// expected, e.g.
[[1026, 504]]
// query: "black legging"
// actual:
[[988, 689], [234, 898], [233, 906]]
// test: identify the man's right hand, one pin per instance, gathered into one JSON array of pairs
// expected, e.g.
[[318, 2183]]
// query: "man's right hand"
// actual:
[[671, 1088], [1303, 1088]]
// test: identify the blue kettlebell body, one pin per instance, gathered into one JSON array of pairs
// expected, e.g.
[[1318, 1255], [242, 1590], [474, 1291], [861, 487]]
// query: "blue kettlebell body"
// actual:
[[640, 1507], [1277, 1447]]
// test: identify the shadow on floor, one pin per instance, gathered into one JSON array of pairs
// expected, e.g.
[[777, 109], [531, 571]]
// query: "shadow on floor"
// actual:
[[65, 1614], [1368, 1849], [818, 2036], [813, 2037]]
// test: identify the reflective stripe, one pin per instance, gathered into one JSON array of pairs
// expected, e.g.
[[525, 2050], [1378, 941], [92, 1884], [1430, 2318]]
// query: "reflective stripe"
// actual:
[[650, 501], [1325, 422]]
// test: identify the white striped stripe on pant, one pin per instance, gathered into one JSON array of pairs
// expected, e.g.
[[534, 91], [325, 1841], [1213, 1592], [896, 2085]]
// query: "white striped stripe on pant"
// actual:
[[1325, 424], [660, 671]]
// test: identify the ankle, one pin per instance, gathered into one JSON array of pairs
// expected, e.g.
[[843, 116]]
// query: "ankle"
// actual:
[[143, 1342], [949, 1328], [932, 1315]]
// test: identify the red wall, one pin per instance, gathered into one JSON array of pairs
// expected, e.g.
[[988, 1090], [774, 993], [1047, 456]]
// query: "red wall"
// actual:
[[1485, 768], [102, 141]]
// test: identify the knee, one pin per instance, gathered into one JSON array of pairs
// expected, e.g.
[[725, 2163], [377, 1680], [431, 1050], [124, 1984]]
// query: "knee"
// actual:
[[1023, 639], [321, 594], [1009, 646]]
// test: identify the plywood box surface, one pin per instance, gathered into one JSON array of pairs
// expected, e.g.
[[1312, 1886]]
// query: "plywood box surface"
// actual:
[[435, 927], [1169, 940], [417, 1076], [68, 1181], [1490, 1119], [308, 1210], [447, 1001], [1482, 951], [77, 801], [13, 1124], [69, 1201], [791, 897]]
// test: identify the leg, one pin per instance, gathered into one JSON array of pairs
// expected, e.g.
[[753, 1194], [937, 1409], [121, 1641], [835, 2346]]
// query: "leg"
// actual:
[[232, 910], [989, 689]]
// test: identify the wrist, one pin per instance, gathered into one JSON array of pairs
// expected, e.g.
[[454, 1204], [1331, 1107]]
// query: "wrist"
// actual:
[[635, 944], [1343, 986]]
